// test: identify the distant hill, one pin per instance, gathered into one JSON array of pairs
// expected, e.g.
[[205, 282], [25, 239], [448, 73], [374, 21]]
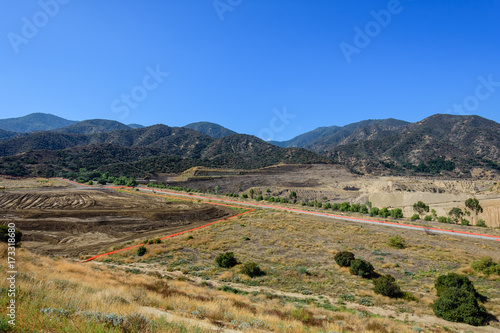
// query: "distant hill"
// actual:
[[440, 142], [6, 134], [34, 122], [138, 152], [324, 139], [305, 139], [135, 126], [93, 126], [210, 129]]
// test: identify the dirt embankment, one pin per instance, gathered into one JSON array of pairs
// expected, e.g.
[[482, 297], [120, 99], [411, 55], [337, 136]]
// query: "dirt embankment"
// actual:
[[333, 183], [78, 222]]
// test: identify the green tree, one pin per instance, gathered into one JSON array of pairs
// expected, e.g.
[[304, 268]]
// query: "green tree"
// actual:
[[434, 215], [420, 207], [374, 211], [384, 212], [473, 205], [345, 206], [456, 214], [252, 193], [397, 213]]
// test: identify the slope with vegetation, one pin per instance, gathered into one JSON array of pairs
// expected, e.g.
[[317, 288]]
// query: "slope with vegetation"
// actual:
[[34, 122]]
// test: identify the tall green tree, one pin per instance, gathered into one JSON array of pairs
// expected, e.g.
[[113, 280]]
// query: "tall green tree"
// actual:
[[473, 205]]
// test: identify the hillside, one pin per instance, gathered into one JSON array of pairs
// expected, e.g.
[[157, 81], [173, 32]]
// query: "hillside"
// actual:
[[464, 141], [34, 122], [93, 126], [324, 139], [305, 139], [6, 134], [138, 152], [214, 130]]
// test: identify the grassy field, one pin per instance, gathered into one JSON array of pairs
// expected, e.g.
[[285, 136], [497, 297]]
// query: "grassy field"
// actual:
[[177, 287], [297, 252]]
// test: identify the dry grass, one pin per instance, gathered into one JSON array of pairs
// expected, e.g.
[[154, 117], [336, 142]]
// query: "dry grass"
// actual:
[[283, 242], [299, 292]]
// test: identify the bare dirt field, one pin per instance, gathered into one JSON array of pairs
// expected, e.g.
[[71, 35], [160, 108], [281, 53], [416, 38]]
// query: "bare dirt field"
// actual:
[[74, 222]]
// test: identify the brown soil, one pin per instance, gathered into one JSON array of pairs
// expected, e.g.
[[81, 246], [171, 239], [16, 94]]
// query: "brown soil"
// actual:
[[82, 222]]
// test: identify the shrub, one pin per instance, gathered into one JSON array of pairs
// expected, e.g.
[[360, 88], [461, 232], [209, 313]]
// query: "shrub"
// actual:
[[465, 222], [141, 250], [344, 259], [226, 260], [355, 208], [486, 265], [344, 207], [4, 234], [454, 280], [415, 217], [384, 212], [428, 218], [374, 211], [397, 213], [396, 242], [336, 206], [386, 286], [481, 223], [363, 209], [252, 269], [459, 305], [361, 268], [244, 195], [444, 219]]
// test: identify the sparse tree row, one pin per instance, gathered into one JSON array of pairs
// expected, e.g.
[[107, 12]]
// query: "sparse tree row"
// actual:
[[455, 215]]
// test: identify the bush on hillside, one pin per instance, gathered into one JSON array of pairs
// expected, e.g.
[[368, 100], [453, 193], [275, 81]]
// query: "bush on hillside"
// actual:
[[226, 260], [386, 286], [361, 267], [344, 258]]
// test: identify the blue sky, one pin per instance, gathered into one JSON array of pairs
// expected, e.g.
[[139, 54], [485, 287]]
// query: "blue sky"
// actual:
[[274, 69]]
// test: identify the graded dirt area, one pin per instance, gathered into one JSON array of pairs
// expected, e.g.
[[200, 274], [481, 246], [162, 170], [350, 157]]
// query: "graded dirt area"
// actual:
[[77, 222]]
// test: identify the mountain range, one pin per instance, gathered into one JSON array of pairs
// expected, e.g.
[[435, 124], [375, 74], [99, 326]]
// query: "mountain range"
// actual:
[[447, 145]]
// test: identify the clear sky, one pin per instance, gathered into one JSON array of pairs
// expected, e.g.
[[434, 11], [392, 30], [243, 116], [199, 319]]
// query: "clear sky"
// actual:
[[271, 68]]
